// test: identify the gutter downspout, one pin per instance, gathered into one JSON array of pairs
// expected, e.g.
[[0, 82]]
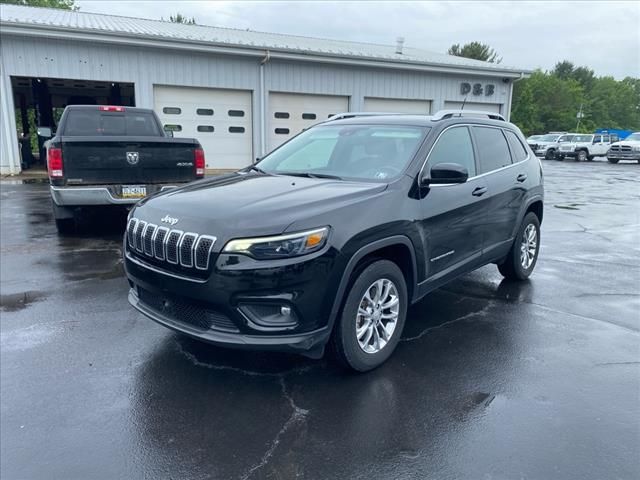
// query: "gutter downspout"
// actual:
[[263, 105], [522, 76]]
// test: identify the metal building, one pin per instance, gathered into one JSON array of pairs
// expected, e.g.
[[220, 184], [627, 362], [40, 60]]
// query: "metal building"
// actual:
[[239, 92]]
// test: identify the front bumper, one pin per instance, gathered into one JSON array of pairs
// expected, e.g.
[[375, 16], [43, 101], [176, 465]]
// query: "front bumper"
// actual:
[[567, 153], [635, 156], [98, 195], [220, 308]]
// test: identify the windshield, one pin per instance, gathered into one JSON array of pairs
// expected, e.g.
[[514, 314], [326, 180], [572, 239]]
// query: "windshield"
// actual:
[[634, 137], [583, 138], [550, 137], [566, 138], [360, 152]]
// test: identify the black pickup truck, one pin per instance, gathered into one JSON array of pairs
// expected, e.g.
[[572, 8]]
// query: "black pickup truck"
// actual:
[[111, 156]]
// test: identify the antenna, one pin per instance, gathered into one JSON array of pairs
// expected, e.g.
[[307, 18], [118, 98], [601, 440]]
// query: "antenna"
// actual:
[[464, 101]]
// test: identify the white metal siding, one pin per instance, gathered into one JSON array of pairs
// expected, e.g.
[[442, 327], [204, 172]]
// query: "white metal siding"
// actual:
[[301, 111], [229, 145], [485, 107], [397, 105]]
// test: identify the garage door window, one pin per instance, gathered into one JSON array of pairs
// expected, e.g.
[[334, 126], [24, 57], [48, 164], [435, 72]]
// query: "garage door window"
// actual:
[[236, 113], [282, 131], [308, 116], [173, 128], [236, 129], [172, 110], [205, 111], [205, 128], [281, 115]]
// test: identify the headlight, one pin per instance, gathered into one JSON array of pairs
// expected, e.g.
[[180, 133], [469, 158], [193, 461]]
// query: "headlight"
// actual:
[[636, 149], [281, 246]]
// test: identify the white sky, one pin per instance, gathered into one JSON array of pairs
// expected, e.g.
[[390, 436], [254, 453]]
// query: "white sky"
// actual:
[[603, 35]]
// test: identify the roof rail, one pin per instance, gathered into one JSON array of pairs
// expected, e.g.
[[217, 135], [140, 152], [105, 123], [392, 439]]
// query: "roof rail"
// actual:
[[444, 114], [339, 116]]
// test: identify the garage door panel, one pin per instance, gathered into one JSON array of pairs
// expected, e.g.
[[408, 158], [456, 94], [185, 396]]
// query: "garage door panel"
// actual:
[[397, 105], [290, 113], [483, 107], [198, 111]]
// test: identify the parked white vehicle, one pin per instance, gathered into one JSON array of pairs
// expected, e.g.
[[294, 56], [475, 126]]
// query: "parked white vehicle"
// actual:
[[546, 146], [627, 149], [585, 147]]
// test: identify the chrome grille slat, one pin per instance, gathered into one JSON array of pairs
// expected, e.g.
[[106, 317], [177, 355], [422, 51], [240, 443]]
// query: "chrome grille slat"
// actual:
[[185, 249]]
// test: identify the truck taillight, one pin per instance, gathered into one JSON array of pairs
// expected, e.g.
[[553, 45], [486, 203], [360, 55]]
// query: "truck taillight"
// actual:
[[54, 162], [110, 108], [199, 162]]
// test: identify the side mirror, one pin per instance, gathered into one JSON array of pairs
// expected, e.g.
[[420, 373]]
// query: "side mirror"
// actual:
[[44, 132], [446, 173]]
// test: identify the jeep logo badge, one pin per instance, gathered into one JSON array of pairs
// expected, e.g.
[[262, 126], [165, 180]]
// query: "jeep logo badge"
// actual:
[[170, 220], [132, 158]]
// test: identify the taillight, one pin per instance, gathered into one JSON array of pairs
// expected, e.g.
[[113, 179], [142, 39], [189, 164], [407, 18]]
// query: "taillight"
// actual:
[[199, 162], [110, 108], [54, 162]]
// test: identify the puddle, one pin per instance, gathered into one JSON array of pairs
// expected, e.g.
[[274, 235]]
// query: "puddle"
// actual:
[[570, 206], [19, 301]]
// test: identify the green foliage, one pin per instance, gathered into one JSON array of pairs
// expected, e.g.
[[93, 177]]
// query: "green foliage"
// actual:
[[550, 101], [475, 50], [179, 18], [64, 4]]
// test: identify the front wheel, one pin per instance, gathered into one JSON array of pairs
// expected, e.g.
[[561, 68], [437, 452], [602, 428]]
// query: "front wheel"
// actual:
[[550, 155], [373, 317], [521, 259], [615, 160], [560, 158]]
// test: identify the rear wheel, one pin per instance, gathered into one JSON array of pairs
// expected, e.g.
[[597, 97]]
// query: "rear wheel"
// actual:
[[560, 158], [550, 155], [581, 156], [521, 259], [372, 318]]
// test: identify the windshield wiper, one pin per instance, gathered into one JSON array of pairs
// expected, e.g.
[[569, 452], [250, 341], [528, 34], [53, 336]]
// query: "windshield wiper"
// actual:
[[257, 169], [311, 175]]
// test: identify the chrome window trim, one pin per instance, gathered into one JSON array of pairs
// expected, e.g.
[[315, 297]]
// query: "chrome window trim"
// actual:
[[182, 238], [166, 247], [164, 241], [424, 164], [195, 249]]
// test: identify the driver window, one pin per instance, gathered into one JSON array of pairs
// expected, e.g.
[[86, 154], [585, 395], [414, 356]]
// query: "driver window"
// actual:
[[597, 139], [454, 146]]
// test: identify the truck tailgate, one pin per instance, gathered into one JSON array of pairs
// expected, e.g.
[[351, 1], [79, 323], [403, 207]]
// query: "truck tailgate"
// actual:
[[129, 160]]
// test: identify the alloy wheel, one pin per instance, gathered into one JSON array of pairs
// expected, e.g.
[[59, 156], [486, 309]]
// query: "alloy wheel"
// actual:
[[377, 315], [529, 246]]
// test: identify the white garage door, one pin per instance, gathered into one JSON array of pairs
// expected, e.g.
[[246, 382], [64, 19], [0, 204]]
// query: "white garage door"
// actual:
[[290, 113], [484, 107], [219, 119], [397, 105]]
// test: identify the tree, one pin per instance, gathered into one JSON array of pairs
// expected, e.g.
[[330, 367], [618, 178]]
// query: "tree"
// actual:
[[63, 4], [179, 18], [475, 50]]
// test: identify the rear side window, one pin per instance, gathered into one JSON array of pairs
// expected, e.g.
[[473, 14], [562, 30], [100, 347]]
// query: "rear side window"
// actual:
[[493, 151], [96, 123], [454, 146], [518, 152]]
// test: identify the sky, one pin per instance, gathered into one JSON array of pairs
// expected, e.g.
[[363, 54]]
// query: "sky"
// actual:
[[603, 35]]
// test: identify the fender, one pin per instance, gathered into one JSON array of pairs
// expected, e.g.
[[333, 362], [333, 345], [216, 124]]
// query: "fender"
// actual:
[[360, 254], [525, 206]]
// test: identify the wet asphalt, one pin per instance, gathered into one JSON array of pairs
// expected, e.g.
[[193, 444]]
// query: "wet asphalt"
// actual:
[[493, 380]]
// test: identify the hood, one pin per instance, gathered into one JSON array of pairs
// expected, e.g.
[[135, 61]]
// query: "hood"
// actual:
[[251, 204], [627, 143]]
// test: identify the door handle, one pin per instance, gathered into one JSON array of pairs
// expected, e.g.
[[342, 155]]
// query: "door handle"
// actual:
[[522, 177], [479, 191]]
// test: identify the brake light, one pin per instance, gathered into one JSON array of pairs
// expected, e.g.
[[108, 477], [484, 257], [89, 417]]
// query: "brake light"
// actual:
[[54, 162], [198, 156], [110, 108]]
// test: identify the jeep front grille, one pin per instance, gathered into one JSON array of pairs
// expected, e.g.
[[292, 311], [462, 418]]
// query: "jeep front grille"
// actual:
[[185, 249]]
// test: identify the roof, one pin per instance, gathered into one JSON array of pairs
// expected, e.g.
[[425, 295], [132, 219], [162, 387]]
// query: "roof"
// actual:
[[47, 19]]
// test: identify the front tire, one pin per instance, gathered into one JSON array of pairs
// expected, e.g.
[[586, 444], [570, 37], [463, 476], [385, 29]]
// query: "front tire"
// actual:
[[615, 160], [560, 158], [521, 259], [372, 319], [582, 156], [550, 155]]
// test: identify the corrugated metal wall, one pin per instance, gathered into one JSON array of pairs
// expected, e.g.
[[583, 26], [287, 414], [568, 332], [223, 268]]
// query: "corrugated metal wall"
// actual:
[[32, 57]]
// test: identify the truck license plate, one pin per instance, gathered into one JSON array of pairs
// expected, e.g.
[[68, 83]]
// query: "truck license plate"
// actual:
[[134, 191]]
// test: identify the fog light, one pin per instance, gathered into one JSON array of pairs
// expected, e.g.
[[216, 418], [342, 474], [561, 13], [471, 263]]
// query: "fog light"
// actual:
[[270, 316], [285, 311]]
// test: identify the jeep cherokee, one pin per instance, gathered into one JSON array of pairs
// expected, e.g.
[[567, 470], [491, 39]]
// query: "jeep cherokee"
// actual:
[[330, 237]]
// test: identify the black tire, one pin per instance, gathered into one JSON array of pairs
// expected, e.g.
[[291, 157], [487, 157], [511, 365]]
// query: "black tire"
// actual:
[[550, 155], [590, 158], [344, 342], [512, 266], [615, 160], [581, 156], [65, 226], [560, 158]]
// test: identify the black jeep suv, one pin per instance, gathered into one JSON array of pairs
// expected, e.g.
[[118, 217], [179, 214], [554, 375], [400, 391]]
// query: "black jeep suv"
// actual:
[[330, 237]]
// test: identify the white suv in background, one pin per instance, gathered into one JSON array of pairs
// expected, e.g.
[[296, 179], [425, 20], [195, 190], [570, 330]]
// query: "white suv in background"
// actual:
[[586, 146], [627, 149], [546, 146]]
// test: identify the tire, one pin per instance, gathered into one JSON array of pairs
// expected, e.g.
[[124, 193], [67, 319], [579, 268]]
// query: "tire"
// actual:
[[550, 155], [514, 266], [615, 160], [345, 343], [581, 156], [590, 158], [560, 158]]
